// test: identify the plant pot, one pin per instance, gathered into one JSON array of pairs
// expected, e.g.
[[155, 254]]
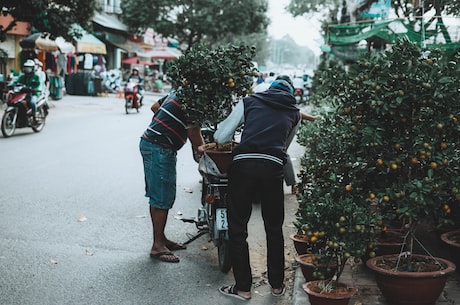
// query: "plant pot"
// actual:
[[300, 243], [452, 239], [221, 156], [409, 288], [311, 270], [390, 242], [341, 295]]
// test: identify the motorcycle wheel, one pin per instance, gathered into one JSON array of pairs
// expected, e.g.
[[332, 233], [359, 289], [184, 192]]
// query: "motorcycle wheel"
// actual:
[[298, 98], [223, 252], [41, 119], [8, 125], [127, 106]]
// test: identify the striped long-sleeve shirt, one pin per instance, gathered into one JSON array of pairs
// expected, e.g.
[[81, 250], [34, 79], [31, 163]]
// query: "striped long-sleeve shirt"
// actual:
[[169, 125]]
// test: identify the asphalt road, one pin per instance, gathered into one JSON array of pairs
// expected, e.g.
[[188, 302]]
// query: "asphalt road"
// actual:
[[74, 223]]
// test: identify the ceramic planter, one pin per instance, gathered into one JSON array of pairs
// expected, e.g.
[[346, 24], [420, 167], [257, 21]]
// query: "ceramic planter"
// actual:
[[341, 295], [310, 267], [409, 288], [300, 243], [452, 239]]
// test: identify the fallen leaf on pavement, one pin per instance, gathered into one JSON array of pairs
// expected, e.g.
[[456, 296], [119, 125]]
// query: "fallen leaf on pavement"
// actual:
[[81, 218], [188, 190], [53, 262]]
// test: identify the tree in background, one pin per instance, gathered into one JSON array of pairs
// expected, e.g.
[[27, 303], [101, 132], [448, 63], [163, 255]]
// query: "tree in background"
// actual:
[[52, 16], [402, 8], [193, 22]]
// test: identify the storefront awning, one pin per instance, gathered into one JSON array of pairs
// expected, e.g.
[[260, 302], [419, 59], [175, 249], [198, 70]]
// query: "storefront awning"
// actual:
[[126, 44], [109, 22], [161, 53], [88, 43], [43, 41]]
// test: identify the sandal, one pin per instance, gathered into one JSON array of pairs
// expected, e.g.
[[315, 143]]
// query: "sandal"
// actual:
[[230, 291], [167, 257], [173, 246], [281, 293]]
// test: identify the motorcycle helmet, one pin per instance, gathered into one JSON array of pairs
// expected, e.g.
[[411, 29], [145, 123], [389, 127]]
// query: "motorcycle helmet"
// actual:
[[135, 69], [29, 67]]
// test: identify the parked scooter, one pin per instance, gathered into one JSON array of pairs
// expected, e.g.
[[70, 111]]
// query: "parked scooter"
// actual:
[[18, 113], [132, 96], [212, 214]]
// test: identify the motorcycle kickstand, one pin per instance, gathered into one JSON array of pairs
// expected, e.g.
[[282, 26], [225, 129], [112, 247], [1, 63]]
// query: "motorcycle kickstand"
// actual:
[[201, 230]]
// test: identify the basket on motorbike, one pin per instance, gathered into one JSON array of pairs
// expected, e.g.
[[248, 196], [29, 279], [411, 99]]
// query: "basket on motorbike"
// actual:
[[216, 159]]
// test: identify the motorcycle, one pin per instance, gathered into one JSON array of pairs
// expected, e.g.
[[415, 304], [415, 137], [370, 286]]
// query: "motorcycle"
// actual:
[[132, 96], [212, 214], [298, 94], [18, 113]]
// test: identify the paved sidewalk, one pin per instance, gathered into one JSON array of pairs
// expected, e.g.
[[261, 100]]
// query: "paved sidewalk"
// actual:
[[362, 278]]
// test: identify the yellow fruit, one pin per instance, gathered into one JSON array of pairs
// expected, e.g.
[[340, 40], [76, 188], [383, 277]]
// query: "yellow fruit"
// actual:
[[443, 145], [348, 187], [379, 161], [434, 165], [313, 239], [371, 195], [342, 219], [394, 166], [386, 198]]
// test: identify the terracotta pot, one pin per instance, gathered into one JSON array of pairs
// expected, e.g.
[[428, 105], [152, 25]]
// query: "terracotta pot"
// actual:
[[339, 296], [310, 268], [409, 288], [390, 242], [300, 243], [452, 239]]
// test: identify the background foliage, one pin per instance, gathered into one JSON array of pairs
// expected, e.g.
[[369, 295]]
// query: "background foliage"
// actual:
[[52, 16], [193, 22]]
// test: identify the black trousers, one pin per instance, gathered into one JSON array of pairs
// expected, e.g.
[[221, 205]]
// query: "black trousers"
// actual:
[[256, 181]]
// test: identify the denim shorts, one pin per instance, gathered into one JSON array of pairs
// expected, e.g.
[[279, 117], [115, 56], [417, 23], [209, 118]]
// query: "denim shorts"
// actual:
[[159, 173]]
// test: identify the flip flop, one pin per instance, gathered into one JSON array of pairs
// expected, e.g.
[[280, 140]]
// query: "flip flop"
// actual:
[[167, 257], [173, 246], [230, 291], [281, 293]]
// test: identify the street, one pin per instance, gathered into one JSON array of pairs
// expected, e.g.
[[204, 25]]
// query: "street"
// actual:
[[74, 222]]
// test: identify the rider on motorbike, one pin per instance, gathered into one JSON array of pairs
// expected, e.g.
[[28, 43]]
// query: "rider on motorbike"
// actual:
[[140, 90], [32, 82]]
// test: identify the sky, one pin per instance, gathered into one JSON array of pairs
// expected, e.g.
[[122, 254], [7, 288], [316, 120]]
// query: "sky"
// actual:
[[304, 30]]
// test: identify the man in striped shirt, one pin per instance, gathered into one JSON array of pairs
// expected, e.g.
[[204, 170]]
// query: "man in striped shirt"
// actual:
[[166, 134]]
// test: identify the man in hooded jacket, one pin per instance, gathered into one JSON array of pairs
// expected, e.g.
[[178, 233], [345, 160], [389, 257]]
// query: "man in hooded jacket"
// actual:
[[257, 172]]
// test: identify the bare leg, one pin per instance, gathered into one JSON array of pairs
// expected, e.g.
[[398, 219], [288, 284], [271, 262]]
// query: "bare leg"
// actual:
[[159, 249]]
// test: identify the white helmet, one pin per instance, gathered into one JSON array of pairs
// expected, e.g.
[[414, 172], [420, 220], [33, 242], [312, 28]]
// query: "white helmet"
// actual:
[[29, 66]]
